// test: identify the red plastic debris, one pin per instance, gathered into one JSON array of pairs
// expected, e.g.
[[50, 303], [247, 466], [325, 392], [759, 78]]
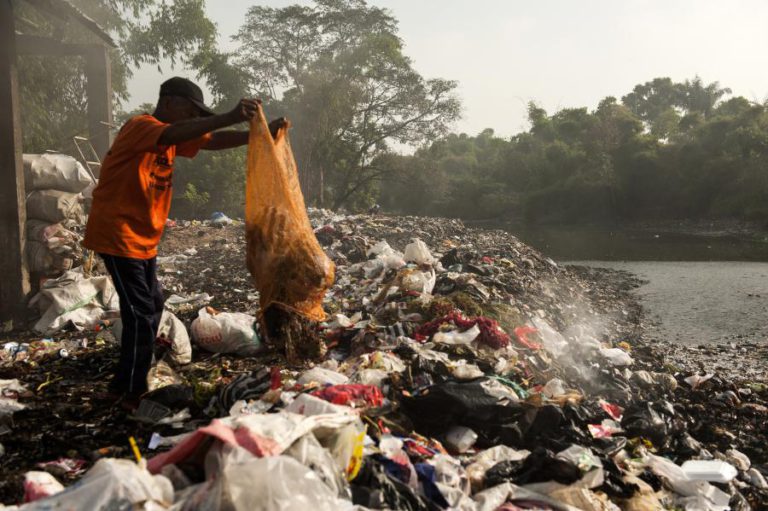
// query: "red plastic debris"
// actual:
[[275, 378], [615, 411], [487, 260], [491, 333], [352, 394], [522, 332]]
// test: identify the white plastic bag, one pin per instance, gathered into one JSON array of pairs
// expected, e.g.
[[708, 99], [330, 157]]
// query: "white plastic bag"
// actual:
[[456, 337], [112, 484], [225, 332], [322, 376], [617, 356], [55, 172], [39, 485], [418, 281], [418, 252], [54, 206], [171, 328], [277, 483]]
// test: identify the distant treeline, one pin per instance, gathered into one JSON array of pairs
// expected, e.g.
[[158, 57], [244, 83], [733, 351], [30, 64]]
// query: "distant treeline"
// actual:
[[665, 151]]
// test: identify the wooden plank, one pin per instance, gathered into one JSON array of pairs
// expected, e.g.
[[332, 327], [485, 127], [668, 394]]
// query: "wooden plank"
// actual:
[[98, 71], [14, 277]]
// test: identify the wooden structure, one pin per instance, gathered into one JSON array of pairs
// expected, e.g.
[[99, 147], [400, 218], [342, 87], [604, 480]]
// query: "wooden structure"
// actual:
[[14, 277]]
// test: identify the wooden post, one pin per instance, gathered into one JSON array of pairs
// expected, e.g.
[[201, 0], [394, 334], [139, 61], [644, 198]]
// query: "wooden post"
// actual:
[[98, 72], [14, 277]]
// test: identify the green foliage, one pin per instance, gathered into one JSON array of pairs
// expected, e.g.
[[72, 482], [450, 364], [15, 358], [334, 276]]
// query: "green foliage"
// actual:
[[667, 151], [52, 89], [213, 181], [337, 69]]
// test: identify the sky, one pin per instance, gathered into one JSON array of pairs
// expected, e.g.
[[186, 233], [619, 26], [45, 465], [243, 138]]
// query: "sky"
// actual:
[[557, 53]]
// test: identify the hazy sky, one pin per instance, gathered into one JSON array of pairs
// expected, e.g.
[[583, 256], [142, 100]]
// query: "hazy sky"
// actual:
[[559, 53]]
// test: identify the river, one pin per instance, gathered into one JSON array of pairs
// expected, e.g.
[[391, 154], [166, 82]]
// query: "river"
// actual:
[[700, 289]]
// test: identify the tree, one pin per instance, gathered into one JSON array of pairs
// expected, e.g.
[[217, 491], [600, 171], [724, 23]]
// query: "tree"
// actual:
[[337, 70], [147, 31], [695, 97]]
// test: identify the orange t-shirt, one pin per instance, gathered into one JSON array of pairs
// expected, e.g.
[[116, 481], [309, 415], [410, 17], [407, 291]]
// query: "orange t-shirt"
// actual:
[[133, 197]]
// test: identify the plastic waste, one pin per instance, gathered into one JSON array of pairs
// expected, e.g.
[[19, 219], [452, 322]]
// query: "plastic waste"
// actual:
[[39, 485], [486, 459], [456, 337], [418, 252], [352, 395], [756, 478], [172, 330], [308, 451], [322, 376], [552, 340], [711, 498], [617, 356], [374, 377], [220, 219], [714, 471], [738, 459], [553, 388], [417, 281], [9, 391], [696, 380], [226, 332], [109, 482], [460, 439]]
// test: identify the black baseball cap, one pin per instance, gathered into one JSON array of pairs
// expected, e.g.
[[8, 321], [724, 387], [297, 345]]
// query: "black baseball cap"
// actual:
[[178, 86]]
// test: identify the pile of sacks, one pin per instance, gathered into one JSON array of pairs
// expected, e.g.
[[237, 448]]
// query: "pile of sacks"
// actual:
[[57, 186]]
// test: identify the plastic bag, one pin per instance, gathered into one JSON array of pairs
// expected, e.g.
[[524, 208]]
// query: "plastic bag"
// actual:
[[225, 332], [284, 257], [55, 171], [456, 337], [617, 356], [112, 484], [39, 485], [170, 328], [277, 483], [418, 252], [54, 206], [322, 376]]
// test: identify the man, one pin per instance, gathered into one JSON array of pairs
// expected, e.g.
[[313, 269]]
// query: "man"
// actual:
[[131, 204]]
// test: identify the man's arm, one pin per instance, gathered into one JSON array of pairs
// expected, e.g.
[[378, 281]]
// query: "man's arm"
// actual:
[[194, 128], [226, 140], [230, 138]]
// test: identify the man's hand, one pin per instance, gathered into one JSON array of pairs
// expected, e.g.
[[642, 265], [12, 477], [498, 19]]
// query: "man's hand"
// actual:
[[276, 124], [245, 110]]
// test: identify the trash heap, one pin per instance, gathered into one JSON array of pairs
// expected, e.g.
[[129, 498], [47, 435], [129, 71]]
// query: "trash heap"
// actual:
[[57, 187], [463, 370]]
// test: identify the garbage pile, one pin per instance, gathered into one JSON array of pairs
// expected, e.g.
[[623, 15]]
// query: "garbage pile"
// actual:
[[463, 370], [57, 186]]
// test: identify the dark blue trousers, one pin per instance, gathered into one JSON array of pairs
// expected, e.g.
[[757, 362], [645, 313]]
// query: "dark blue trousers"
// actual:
[[141, 306]]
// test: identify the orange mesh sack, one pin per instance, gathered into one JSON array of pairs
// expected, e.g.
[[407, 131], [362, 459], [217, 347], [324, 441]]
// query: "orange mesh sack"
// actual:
[[285, 259]]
